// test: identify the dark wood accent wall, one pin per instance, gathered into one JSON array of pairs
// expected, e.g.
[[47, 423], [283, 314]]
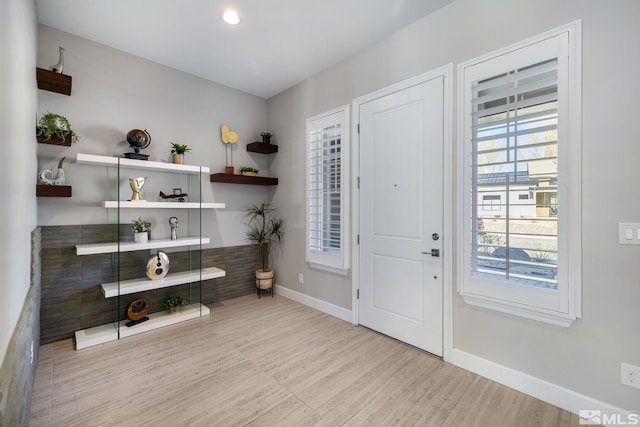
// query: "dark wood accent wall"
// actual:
[[71, 294]]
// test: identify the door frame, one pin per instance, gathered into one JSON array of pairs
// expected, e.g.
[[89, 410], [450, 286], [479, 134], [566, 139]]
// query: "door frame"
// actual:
[[446, 72]]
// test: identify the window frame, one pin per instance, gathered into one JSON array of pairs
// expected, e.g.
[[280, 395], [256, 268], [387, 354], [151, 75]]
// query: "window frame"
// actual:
[[561, 306], [338, 262]]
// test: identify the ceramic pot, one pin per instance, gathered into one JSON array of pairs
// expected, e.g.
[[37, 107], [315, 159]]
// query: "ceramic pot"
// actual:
[[178, 159], [142, 237]]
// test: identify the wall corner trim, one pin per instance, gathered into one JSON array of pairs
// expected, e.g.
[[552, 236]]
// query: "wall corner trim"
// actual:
[[320, 305], [554, 394]]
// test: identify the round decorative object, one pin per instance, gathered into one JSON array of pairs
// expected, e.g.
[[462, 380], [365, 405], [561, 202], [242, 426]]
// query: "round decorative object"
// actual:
[[138, 139], [158, 266], [137, 309]]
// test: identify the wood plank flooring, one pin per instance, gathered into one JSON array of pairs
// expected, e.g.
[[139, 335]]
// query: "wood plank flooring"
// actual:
[[269, 362]]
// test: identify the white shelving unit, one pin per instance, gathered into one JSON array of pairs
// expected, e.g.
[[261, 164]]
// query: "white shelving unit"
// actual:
[[112, 247], [132, 286], [112, 331]]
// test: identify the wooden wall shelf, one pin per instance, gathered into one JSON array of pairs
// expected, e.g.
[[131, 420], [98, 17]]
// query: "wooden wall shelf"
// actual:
[[53, 190], [55, 140], [53, 82], [242, 179], [260, 147]]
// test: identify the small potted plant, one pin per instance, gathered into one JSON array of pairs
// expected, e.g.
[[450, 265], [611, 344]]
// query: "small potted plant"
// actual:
[[55, 129], [178, 150], [266, 137], [263, 230], [248, 171], [140, 230], [174, 304]]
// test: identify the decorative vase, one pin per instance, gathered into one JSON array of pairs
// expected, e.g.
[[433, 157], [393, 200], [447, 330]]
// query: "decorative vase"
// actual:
[[158, 266], [228, 170], [178, 159], [264, 279], [142, 237], [266, 139]]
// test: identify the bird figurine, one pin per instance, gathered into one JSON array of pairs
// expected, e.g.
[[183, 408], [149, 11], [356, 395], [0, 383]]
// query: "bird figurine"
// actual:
[[58, 179], [57, 68]]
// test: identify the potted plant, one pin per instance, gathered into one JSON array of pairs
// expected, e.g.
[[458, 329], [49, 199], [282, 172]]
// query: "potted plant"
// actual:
[[174, 303], [248, 171], [178, 150], [55, 129], [140, 230], [263, 230], [266, 137]]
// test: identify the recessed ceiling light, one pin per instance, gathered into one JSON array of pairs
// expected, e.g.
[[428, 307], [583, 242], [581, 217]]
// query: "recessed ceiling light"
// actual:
[[230, 17]]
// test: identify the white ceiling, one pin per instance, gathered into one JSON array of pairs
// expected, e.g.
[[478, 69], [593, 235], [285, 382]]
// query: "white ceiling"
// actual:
[[277, 44]]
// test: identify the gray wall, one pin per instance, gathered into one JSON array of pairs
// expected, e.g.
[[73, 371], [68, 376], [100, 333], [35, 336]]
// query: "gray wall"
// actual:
[[114, 92], [19, 305], [585, 357]]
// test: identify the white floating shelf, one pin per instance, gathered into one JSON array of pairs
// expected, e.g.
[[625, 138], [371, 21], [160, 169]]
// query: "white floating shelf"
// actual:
[[171, 279], [92, 159], [112, 247], [126, 204], [109, 332]]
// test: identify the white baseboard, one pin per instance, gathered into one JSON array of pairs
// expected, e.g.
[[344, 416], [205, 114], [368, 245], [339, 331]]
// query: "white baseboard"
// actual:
[[325, 307], [556, 395]]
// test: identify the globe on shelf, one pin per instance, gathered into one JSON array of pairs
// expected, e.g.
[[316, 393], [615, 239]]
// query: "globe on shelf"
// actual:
[[138, 139]]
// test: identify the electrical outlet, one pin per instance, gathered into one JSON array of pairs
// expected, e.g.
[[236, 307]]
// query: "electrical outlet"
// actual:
[[630, 375], [300, 278]]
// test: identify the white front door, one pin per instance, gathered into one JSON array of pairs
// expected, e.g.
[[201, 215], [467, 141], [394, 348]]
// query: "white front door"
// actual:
[[401, 206]]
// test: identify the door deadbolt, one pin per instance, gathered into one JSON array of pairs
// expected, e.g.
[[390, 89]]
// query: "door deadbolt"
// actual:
[[435, 236]]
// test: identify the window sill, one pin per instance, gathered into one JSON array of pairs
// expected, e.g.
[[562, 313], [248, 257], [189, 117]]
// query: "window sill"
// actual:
[[330, 268], [541, 315]]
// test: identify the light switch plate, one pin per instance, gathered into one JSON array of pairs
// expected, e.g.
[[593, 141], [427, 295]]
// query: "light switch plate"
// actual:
[[629, 233]]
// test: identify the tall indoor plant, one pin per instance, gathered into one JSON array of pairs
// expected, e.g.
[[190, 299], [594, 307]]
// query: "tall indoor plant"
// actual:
[[263, 230]]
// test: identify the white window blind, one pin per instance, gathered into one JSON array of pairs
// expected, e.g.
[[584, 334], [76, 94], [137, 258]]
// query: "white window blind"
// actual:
[[324, 189], [327, 168], [515, 148]]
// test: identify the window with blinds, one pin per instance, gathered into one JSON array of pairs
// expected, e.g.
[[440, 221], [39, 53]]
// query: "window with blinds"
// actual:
[[519, 153], [514, 149], [326, 189]]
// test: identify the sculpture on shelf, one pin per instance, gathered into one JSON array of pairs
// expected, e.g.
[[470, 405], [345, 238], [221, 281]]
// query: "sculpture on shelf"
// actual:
[[177, 194], [58, 179], [158, 266], [138, 139], [136, 311], [228, 137], [136, 185], [173, 223], [57, 68]]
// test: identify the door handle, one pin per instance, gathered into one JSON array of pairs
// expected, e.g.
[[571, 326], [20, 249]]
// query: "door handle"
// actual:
[[433, 252]]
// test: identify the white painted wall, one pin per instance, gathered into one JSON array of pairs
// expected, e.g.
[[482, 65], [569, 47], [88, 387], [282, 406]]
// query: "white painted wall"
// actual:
[[585, 357], [114, 92], [17, 173]]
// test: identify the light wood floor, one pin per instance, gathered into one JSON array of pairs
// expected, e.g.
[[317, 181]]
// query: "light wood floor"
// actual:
[[269, 362]]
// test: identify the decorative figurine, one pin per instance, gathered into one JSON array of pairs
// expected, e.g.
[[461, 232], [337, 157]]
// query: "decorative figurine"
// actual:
[[228, 138], [57, 68], [136, 185], [177, 194], [138, 139], [158, 266], [59, 179], [173, 222], [137, 311]]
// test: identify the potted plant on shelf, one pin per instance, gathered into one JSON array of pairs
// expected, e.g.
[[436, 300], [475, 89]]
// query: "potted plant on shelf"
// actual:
[[248, 171], [174, 303], [55, 129], [178, 151], [266, 137], [263, 230], [140, 230]]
